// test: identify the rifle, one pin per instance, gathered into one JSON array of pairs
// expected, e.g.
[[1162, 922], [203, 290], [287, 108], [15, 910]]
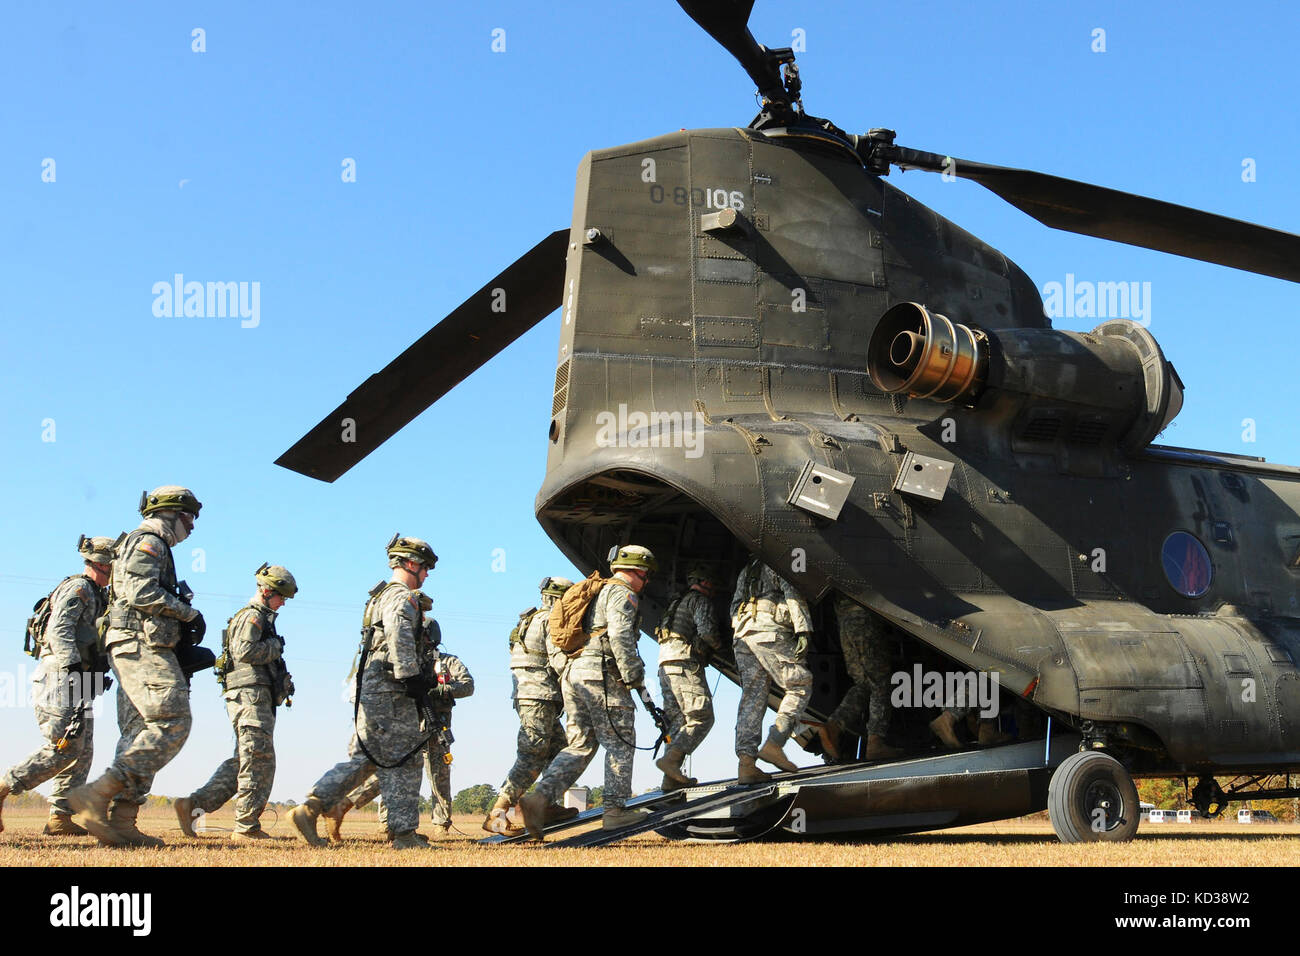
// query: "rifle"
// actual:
[[657, 715], [75, 726], [282, 688], [438, 719]]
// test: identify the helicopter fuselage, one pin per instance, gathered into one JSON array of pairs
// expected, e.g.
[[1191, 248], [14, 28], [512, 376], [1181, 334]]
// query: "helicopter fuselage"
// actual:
[[721, 290]]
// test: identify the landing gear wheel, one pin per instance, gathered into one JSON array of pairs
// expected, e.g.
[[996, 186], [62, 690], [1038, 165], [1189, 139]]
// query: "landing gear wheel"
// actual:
[[1092, 799]]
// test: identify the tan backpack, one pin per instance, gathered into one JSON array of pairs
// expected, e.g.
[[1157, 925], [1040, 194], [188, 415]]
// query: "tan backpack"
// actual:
[[566, 616]]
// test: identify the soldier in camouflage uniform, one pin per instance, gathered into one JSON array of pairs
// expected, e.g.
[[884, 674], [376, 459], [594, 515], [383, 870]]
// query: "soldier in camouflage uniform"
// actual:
[[388, 722], [864, 641], [688, 636], [145, 618], [454, 682], [535, 666], [597, 687], [255, 682], [69, 674], [772, 626]]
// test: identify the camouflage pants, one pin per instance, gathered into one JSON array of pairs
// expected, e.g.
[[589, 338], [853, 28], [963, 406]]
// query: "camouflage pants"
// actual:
[[864, 641], [763, 657], [248, 775], [390, 726], [592, 724], [153, 715], [68, 768], [688, 705], [541, 737], [439, 772]]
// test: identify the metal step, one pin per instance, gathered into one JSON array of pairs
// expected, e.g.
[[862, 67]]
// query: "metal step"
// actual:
[[731, 797], [652, 799]]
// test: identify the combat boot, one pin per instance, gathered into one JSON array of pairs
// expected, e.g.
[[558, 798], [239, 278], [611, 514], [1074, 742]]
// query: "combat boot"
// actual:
[[441, 831], [944, 727], [184, 808], [533, 808], [671, 764], [990, 736], [60, 824], [254, 835], [303, 817], [877, 749], [91, 801], [773, 754], [410, 840], [749, 772], [558, 814], [616, 818], [334, 819], [496, 822], [122, 818], [829, 733], [4, 792]]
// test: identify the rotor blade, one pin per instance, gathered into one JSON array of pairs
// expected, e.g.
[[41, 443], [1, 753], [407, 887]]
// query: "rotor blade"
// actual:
[[727, 21], [1089, 210], [484, 324]]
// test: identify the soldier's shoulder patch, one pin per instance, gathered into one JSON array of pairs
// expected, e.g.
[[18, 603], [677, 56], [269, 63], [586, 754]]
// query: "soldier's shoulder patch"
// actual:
[[633, 600], [147, 547]]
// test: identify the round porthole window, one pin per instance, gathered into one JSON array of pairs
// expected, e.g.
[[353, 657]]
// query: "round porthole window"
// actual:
[[1187, 564]]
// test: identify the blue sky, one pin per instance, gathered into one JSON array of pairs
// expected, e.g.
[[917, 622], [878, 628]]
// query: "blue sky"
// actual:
[[226, 165]]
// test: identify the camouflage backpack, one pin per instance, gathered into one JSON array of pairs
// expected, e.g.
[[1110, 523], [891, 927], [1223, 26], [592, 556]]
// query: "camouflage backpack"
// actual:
[[567, 614], [34, 635]]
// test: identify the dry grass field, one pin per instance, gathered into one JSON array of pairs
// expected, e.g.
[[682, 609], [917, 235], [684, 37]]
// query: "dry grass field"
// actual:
[[1027, 843]]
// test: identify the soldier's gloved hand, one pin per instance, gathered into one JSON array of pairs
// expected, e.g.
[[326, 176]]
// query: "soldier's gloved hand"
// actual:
[[107, 682], [801, 644], [417, 686], [289, 689], [443, 691], [197, 627]]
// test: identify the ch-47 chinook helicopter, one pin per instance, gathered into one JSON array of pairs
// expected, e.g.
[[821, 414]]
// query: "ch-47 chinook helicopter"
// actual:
[[766, 349]]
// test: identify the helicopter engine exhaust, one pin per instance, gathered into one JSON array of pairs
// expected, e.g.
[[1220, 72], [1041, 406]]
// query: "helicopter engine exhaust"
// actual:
[[1114, 382], [925, 355]]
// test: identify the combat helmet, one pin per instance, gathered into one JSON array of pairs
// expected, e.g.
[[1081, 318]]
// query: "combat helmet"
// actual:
[[634, 558], [410, 549], [97, 550], [169, 498], [277, 578], [705, 575], [554, 587]]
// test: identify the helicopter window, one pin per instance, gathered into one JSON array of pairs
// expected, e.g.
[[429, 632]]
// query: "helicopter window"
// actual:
[[1187, 564]]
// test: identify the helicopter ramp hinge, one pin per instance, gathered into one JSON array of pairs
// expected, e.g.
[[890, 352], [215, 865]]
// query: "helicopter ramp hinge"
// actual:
[[821, 490], [923, 476]]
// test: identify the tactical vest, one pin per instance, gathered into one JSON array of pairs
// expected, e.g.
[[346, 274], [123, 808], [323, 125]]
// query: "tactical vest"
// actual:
[[374, 641], [521, 655], [34, 642], [123, 617], [233, 674], [668, 623]]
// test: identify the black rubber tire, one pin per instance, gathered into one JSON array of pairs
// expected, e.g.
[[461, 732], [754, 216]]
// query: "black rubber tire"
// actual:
[[1092, 799]]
